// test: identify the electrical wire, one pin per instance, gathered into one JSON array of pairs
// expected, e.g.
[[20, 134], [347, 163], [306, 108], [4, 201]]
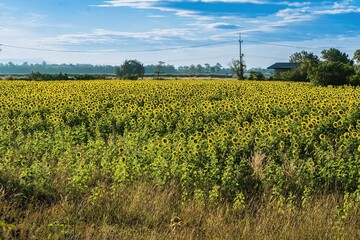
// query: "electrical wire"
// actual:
[[120, 51], [284, 45]]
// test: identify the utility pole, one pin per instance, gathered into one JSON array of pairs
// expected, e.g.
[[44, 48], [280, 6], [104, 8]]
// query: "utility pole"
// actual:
[[241, 58]]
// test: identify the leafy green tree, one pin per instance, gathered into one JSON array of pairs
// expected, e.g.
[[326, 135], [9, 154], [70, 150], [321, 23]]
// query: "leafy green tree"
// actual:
[[357, 56], [304, 56], [335, 55], [355, 79], [331, 73], [130, 69]]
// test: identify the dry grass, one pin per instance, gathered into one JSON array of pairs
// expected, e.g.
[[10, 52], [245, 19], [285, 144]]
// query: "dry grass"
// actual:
[[257, 164], [145, 211]]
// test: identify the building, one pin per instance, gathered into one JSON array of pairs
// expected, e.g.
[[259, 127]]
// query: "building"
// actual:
[[283, 67]]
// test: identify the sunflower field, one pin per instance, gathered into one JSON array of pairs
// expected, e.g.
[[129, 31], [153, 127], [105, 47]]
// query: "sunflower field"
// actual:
[[217, 140]]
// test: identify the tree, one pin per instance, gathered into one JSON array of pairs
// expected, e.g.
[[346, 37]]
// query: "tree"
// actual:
[[199, 68], [218, 67], [207, 67], [331, 73], [130, 69], [238, 68], [357, 56], [304, 56], [335, 55], [159, 68], [191, 69], [355, 79]]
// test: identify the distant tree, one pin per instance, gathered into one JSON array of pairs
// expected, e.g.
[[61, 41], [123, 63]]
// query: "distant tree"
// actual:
[[199, 68], [335, 55], [184, 69], [304, 56], [238, 69], [217, 67], [207, 67], [357, 56], [192, 69], [159, 69], [170, 69], [130, 69]]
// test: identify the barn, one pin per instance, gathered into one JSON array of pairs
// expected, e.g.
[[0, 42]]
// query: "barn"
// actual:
[[283, 67]]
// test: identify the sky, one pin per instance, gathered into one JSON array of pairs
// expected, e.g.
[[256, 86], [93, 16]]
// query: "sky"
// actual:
[[176, 32]]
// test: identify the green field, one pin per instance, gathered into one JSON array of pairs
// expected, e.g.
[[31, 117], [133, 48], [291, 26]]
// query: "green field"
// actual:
[[180, 159]]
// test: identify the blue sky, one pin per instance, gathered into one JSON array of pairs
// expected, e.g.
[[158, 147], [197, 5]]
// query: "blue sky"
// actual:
[[173, 31]]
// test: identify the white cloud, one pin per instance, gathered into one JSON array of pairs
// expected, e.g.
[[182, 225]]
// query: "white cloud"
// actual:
[[103, 36], [338, 11], [342, 7], [155, 16], [295, 14], [151, 3], [154, 5]]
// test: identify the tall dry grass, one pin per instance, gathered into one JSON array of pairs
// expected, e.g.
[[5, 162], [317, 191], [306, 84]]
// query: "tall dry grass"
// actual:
[[143, 211]]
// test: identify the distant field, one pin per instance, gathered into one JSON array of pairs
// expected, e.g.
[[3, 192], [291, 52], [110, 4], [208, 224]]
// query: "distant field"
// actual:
[[161, 151]]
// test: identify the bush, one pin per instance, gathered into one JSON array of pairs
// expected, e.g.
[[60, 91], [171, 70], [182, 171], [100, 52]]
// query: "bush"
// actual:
[[37, 76], [254, 75], [295, 75], [299, 74], [131, 77], [85, 77], [331, 73]]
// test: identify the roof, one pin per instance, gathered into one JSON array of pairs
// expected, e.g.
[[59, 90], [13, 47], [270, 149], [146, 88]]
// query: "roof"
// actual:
[[284, 65]]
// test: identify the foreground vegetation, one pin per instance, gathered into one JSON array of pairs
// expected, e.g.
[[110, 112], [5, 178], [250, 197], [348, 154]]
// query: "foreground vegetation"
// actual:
[[179, 159]]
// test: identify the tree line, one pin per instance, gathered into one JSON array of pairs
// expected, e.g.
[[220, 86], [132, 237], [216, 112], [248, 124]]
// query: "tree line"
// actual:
[[27, 68], [73, 69]]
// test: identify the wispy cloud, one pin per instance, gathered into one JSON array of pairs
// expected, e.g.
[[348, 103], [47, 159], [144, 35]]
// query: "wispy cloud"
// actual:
[[103, 36], [171, 6], [295, 14], [153, 5]]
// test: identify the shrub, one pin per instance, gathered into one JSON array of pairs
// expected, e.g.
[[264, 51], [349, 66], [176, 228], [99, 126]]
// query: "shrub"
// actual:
[[299, 74], [254, 75], [131, 76], [37, 76], [85, 77]]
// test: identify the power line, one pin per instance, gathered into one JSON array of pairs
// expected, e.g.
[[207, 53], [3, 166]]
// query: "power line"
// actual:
[[284, 45], [119, 51], [38, 49]]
